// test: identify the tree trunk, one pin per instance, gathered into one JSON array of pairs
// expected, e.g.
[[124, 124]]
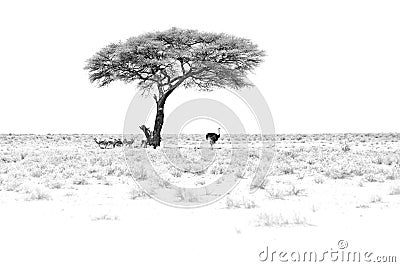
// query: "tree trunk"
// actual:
[[154, 137], [158, 124]]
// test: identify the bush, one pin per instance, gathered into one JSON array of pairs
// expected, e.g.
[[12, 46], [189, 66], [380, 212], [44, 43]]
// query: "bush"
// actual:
[[395, 190], [39, 194]]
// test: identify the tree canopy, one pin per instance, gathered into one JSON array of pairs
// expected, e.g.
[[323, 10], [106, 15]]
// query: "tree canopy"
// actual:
[[162, 61]]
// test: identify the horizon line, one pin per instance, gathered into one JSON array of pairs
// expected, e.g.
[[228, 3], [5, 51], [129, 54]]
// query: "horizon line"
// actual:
[[299, 133]]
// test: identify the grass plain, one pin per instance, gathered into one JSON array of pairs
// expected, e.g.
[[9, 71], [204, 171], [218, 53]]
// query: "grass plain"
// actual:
[[322, 181]]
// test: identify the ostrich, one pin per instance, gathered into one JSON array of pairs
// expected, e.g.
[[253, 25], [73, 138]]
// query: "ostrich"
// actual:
[[213, 137], [101, 144]]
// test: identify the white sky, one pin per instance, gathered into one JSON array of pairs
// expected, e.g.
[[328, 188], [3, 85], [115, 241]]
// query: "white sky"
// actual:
[[332, 66]]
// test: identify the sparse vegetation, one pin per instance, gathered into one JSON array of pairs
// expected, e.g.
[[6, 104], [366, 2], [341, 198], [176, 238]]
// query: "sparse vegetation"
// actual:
[[371, 178], [135, 193], [105, 217], [267, 219], [375, 199], [395, 190], [38, 193], [319, 179], [185, 195], [243, 202], [35, 168]]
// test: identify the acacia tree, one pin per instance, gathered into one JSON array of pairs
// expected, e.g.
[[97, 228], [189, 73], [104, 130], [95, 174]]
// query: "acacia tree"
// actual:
[[160, 62]]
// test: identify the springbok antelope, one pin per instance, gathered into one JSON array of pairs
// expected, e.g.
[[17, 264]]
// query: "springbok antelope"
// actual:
[[118, 142], [102, 144], [128, 142], [143, 143]]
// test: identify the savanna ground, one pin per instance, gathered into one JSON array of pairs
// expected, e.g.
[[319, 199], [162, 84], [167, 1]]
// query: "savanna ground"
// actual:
[[63, 199]]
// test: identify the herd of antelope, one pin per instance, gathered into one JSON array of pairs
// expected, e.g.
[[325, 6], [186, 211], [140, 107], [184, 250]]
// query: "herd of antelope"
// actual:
[[117, 142], [113, 143]]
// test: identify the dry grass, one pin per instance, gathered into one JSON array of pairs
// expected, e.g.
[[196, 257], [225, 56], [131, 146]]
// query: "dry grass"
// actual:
[[68, 166], [395, 190], [268, 219]]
